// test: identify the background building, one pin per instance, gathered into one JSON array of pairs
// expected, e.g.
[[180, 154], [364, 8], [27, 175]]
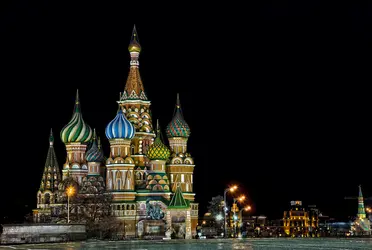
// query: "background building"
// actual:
[[361, 225], [299, 222]]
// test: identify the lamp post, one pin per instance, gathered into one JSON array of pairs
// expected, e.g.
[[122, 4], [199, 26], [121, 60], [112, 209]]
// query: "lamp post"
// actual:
[[70, 191], [247, 208], [240, 199], [231, 189]]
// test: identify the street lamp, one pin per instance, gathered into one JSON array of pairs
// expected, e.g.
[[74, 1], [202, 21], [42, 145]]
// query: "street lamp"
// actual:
[[70, 191], [240, 199], [231, 189], [246, 208]]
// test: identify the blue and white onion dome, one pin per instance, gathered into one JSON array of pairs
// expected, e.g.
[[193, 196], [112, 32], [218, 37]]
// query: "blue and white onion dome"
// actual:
[[120, 127]]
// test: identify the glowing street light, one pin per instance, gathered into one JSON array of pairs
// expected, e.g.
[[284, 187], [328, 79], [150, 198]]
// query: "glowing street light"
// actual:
[[230, 189], [240, 199], [70, 191], [246, 208]]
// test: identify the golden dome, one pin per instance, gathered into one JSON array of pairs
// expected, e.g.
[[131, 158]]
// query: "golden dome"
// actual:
[[134, 45]]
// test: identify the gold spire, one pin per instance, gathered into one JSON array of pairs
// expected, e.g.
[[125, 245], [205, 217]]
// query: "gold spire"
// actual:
[[134, 45], [134, 88]]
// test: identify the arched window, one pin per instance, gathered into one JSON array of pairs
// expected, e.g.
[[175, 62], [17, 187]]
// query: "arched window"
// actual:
[[132, 149], [118, 184], [47, 198], [129, 180], [138, 176]]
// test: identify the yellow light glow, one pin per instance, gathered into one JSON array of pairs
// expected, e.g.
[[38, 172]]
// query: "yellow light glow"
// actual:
[[247, 208], [241, 198], [233, 188], [70, 191]]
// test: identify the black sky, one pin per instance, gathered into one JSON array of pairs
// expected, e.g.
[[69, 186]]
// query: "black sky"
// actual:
[[277, 96]]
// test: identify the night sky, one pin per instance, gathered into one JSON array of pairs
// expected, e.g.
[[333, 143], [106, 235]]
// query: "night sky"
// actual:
[[277, 96]]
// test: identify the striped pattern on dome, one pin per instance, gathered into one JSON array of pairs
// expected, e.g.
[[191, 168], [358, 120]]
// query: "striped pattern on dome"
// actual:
[[158, 151], [94, 154], [178, 126], [76, 130], [120, 127]]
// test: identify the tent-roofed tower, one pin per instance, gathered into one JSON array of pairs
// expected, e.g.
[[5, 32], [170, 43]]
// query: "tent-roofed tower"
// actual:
[[47, 193], [136, 107], [75, 135], [361, 226], [361, 209]]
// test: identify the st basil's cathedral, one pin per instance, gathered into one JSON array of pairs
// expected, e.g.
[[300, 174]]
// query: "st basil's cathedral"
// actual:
[[140, 170]]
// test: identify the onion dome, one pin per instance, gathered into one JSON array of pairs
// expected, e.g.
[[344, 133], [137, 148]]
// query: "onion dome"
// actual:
[[134, 45], [101, 149], [76, 130], [120, 127], [94, 154], [158, 151], [178, 126]]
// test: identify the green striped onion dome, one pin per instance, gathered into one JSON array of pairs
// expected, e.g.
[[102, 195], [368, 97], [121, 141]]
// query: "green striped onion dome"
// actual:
[[76, 130], [158, 151]]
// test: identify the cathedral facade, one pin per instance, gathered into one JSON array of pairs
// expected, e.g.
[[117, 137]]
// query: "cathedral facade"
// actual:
[[140, 171]]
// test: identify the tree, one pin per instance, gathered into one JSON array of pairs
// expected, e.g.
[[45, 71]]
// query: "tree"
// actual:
[[94, 209], [215, 208], [91, 206]]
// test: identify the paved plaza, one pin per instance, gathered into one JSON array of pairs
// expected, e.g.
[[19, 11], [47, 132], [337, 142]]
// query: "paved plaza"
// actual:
[[262, 244]]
